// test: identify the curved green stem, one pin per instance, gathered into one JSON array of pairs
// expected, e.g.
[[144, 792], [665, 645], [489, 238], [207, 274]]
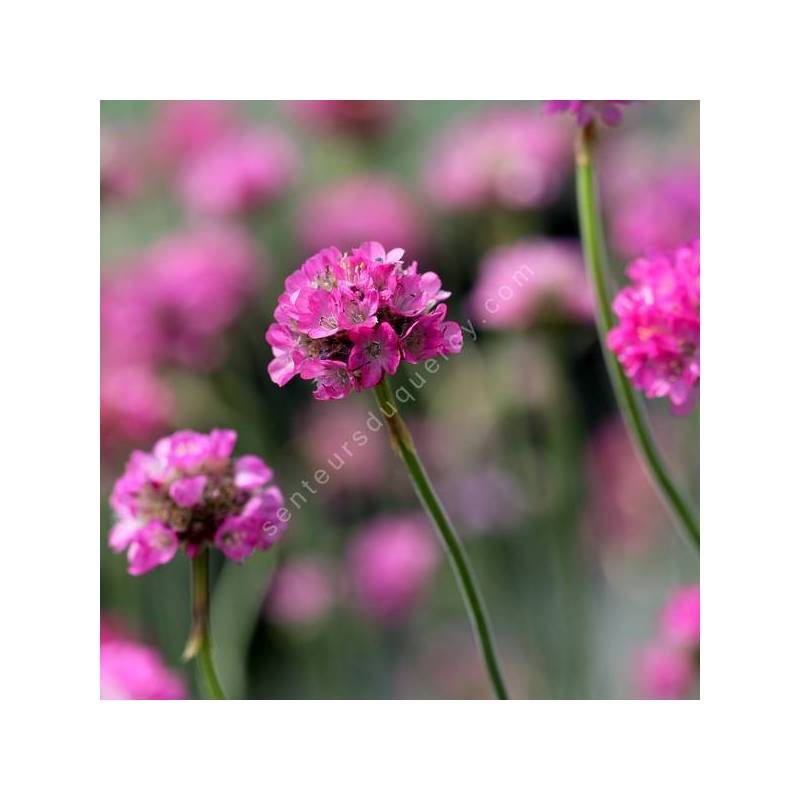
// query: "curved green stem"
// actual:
[[630, 403], [404, 445], [199, 644]]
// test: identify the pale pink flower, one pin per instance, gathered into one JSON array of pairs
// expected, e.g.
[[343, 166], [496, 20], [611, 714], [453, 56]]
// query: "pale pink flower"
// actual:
[[657, 339], [121, 166], [301, 593], [508, 157], [390, 563], [532, 281], [362, 208], [183, 128], [130, 670], [189, 491], [586, 111], [662, 672], [680, 619]]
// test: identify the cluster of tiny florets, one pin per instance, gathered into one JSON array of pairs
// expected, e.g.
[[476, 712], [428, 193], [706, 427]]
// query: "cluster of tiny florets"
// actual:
[[189, 492], [346, 319], [657, 339]]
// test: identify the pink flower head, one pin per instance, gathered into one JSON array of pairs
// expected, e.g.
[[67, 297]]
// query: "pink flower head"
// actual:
[[120, 166], [133, 671], [301, 592], [530, 281], [657, 339], [391, 563], [662, 672], [358, 117], [238, 173], [363, 207], [508, 157], [345, 320], [680, 619], [184, 128], [586, 111], [189, 491]]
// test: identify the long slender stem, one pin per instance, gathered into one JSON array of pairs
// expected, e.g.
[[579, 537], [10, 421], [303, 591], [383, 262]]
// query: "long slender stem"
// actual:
[[404, 445], [630, 403], [199, 644]]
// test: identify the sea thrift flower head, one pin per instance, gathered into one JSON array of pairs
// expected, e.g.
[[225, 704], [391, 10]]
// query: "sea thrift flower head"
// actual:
[[357, 117], [190, 491], [680, 619], [390, 564], [532, 281], [301, 593], [238, 173], [657, 339], [586, 111], [510, 158], [133, 671], [366, 207], [184, 128], [662, 672], [347, 319]]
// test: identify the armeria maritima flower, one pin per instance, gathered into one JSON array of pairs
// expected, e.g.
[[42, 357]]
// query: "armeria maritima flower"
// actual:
[[345, 319], [586, 111], [190, 492], [657, 339]]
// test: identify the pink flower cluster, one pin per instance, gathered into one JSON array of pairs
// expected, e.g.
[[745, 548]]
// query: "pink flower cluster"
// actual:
[[586, 111], [130, 670], [346, 319], [667, 668], [301, 593], [189, 491], [532, 281], [365, 207], [657, 339], [510, 158], [390, 563]]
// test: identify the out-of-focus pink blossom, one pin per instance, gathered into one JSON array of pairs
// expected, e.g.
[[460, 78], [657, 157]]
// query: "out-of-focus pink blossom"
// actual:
[[357, 117], [532, 281], [239, 172], [326, 325], [657, 339], [183, 128], [680, 619], [121, 166], [662, 672], [301, 592], [135, 406], [586, 111], [390, 563], [510, 157], [188, 491], [363, 208], [130, 670]]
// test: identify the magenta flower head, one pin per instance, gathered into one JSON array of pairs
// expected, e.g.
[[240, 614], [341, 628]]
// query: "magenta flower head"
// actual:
[[130, 670], [508, 158], [346, 319], [183, 128], [190, 492], [586, 111], [680, 619], [532, 281], [238, 173], [657, 339], [390, 564], [662, 673], [301, 593], [366, 207]]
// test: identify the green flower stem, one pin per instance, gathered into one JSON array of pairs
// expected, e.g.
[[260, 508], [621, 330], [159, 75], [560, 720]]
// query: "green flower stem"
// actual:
[[630, 403], [199, 644], [404, 445]]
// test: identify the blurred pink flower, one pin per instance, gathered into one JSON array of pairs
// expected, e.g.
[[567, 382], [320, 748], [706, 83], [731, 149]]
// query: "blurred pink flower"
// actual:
[[680, 619], [362, 208], [657, 339], [189, 491], [358, 117], [130, 670], [585, 111], [184, 128], [121, 166], [533, 280], [135, 406], [390, 563], [509, 157], [662, 672], [301, 592], [237, 173]]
